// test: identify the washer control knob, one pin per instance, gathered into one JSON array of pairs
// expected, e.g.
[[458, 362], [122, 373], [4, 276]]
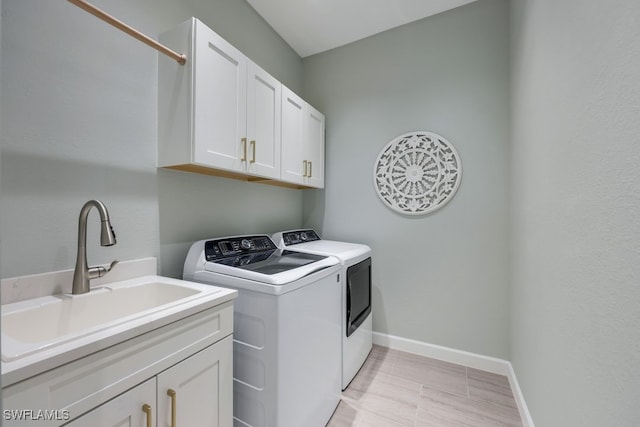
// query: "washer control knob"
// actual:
[[246, 244], [303, 237]]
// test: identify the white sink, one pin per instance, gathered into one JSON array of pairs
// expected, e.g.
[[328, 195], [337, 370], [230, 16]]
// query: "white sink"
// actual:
[[59, 323], [68, 315]]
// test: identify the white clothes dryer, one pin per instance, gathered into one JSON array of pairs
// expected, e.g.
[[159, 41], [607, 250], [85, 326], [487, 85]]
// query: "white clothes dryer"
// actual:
[[355, 278], [286, 344]]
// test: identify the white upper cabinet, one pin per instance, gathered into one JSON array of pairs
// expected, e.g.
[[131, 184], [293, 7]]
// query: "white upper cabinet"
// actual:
[[293, 130], [221, 114], [302, 142], [314, 148], [263, 123], [219, 101]]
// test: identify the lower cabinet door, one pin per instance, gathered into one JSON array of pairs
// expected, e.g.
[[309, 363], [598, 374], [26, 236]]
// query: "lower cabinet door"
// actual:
[[199, 390], [135, 408]]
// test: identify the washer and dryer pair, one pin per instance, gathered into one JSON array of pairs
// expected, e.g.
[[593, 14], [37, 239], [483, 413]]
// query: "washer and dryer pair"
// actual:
[[302, 321]]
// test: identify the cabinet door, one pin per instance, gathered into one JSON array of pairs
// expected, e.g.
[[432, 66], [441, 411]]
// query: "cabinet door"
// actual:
[[202, 389], [293, 135], [125, 410], [263, 123], [219, 101], [314, 148]]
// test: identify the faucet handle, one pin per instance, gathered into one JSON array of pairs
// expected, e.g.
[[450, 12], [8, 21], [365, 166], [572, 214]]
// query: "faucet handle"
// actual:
[[99, 271]]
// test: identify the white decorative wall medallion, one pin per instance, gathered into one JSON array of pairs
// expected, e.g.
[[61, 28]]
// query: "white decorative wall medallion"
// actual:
[[417, 173]]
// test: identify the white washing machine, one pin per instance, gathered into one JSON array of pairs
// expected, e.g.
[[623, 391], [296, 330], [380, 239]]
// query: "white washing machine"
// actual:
[[356, 318], [286, 352]]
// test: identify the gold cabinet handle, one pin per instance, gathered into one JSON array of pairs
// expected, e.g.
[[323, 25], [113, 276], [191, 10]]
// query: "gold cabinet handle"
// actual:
[[172, 394], [253, 147], [244, 150], [304, 168], [310, 168], [147, 410]]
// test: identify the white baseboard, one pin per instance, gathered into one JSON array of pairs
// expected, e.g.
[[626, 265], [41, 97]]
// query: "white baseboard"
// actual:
[[525, 415], [460, 357]]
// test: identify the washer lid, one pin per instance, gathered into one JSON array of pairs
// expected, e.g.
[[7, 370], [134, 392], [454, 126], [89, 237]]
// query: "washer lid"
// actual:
[[257, 258], [278, 271], [308, 241], [344, 251]]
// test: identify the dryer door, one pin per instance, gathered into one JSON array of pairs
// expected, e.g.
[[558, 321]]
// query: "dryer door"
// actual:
[[358, 294]]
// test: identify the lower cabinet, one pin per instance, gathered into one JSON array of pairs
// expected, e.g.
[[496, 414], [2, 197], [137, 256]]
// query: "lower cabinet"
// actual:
[[195, 392], [123, 411], [182, 372], [199, 390]]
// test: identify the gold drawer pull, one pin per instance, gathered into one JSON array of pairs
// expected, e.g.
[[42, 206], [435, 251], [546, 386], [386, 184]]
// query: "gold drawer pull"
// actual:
[[147, 410], [244, 149], [310, 168], [253, 147], [304, 168], [172, 394]]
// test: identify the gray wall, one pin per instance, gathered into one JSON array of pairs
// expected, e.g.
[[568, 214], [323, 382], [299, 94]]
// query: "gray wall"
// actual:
[[440, 278], [78, 112], [575, 339]]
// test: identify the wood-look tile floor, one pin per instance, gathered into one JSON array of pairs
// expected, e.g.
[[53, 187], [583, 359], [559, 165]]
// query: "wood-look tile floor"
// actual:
[[394, 389]]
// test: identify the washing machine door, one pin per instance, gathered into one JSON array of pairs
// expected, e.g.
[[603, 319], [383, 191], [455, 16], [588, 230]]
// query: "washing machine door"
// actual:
[[272, 262], [257, 258]]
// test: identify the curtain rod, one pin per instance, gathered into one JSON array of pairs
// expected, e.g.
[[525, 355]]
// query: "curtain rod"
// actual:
[[181, 59]]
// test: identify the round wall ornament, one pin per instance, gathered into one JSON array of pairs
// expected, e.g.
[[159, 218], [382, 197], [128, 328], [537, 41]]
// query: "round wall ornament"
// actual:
[[417, 173]]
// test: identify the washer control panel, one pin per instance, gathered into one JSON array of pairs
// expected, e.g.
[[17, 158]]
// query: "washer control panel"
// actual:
[[299, 236], [233, 246]]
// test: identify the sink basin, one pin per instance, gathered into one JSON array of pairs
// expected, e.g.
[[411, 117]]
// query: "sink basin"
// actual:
[[46, 323], [68, 315]]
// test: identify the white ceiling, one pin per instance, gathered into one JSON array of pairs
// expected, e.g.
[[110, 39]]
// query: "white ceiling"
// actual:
[[313, 26]]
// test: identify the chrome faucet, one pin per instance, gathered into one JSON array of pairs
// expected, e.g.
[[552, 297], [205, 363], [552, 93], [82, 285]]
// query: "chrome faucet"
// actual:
[[83, 273]]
